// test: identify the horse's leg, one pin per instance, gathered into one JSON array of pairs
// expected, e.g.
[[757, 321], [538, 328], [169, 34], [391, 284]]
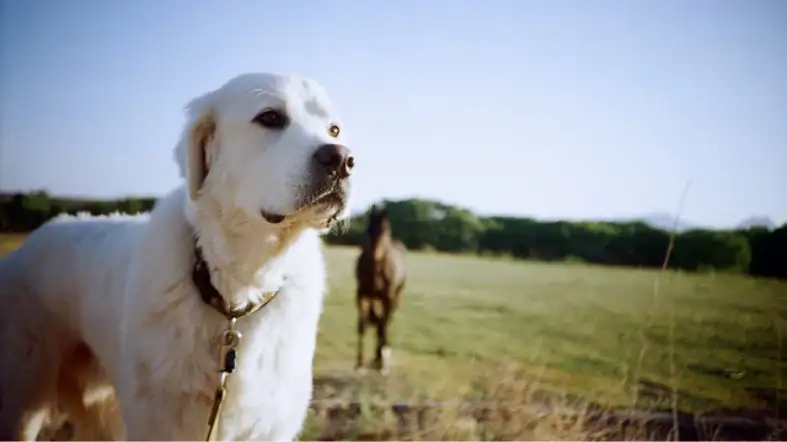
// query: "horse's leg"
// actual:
[[395, 295], [361, 330], [383, 356]]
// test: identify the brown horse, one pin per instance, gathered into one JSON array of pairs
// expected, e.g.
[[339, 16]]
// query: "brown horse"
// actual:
[[380, 273]]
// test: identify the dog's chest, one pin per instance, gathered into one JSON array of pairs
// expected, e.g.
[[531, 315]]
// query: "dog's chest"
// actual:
[[269, 392]]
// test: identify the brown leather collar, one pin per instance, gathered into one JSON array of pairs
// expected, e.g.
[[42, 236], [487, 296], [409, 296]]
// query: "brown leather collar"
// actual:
[[200, 276]]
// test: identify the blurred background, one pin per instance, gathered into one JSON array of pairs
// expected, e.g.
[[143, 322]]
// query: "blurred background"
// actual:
[[591, 192]]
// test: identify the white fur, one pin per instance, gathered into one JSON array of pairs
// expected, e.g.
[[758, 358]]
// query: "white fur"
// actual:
[[121, 284]]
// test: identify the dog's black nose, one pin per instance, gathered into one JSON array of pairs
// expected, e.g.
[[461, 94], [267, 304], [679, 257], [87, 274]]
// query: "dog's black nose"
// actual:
[[334, 158]]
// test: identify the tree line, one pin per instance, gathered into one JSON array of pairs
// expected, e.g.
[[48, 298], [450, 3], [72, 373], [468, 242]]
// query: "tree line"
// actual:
[[432, 225]]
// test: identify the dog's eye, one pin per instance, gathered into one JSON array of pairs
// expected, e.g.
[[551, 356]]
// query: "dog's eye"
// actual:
[[270, 118], [334, 130]]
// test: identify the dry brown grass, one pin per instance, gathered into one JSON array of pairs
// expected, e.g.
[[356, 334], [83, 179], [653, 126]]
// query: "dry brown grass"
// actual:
[[509, 404], [502, 406]]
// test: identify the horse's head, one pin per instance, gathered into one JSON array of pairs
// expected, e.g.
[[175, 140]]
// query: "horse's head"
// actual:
[[379, 231], [378, 223]]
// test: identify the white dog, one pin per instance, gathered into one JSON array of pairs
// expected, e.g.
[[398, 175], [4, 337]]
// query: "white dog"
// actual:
[[89, 302]]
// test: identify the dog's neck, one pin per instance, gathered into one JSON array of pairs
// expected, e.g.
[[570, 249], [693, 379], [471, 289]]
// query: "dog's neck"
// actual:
[[245, 256]]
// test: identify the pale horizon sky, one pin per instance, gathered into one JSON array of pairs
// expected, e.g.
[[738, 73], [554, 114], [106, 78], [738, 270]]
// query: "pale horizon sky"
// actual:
[[552, 109]]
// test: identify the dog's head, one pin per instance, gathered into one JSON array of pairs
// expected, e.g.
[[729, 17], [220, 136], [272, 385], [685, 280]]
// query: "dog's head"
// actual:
[[270, 146]]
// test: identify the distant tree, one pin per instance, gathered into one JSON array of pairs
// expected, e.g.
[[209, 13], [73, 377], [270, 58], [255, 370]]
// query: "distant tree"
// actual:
[[769, 251], [721, 250], [431, 224]]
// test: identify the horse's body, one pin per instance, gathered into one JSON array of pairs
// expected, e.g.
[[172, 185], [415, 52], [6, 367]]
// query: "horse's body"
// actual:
[[380, 273]]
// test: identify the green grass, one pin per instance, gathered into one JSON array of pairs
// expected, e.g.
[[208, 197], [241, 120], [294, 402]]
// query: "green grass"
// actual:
[[603, 334]]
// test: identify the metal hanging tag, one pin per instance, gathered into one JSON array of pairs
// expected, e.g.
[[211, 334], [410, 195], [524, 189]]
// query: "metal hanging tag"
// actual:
[[230, 340]]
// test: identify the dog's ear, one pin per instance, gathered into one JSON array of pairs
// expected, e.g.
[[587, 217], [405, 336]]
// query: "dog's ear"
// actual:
[[195, 150]]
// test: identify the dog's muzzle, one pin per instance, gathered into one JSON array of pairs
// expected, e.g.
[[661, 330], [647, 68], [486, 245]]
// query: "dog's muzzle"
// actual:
[[331, 167], [332, 162]]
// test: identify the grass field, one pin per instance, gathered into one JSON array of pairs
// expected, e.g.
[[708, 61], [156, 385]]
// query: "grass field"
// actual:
[[594, 331], [616, 337]]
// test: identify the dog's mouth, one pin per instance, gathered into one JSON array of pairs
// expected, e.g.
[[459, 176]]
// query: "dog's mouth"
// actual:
[[273, 218], [330, 199]]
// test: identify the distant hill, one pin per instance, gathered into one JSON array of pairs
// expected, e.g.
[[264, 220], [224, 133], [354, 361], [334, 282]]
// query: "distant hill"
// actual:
[[666, 221], [659, 220], [757, 221]]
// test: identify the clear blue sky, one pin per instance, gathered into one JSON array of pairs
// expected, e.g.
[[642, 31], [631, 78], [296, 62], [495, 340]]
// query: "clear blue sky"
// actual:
[[576, 109]]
